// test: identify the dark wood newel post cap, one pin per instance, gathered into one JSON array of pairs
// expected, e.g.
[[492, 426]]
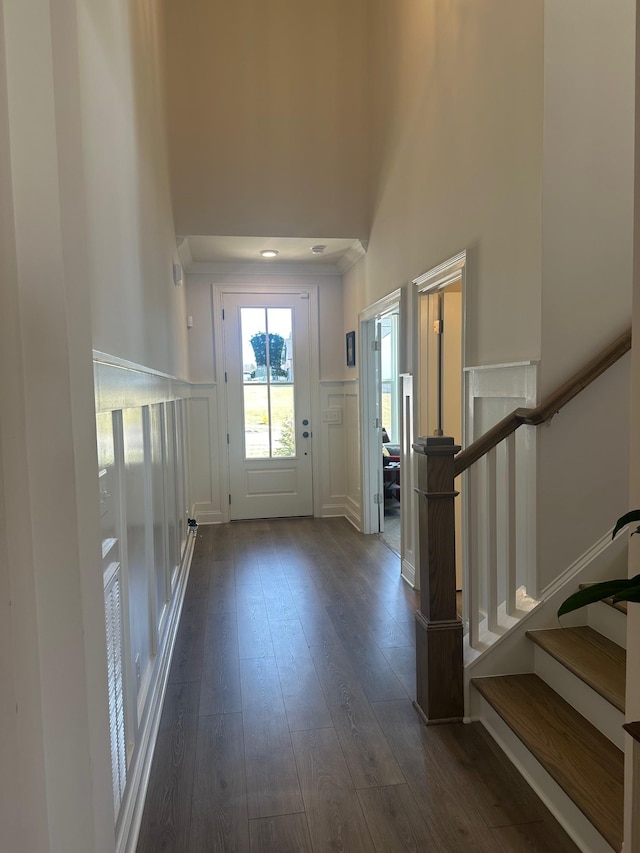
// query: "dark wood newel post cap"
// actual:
[[436, 445]]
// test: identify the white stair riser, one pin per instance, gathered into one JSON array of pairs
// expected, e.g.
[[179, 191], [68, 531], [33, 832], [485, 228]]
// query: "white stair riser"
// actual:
[[608, 621], [600, 713], [583, 833]]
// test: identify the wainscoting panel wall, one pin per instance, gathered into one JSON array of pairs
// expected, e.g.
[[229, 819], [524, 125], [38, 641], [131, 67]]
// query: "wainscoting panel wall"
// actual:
[[209, 475], [143, 436], [329, 444], [336, 452], [353, 503], [492, 392]]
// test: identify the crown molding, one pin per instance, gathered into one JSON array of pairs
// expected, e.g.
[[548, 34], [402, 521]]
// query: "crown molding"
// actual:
[[444, 274], [353, 254], [262, 268], [184, 252]]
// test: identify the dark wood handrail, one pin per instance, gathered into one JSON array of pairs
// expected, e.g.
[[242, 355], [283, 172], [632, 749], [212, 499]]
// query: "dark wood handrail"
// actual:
[[550, 406]]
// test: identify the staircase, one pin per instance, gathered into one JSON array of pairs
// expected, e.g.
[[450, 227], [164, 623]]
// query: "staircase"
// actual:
[[562, 723]]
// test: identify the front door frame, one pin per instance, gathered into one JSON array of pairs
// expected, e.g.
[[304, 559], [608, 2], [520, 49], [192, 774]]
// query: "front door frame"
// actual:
[[306, 291]]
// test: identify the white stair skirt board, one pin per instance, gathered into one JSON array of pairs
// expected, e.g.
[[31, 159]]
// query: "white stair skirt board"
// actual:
[[583, 698], [587, 838], [510, 652], [609, 622]]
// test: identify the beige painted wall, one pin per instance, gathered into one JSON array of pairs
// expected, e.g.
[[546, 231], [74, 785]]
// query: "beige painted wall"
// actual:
[[267, 117], [460, 93], [587, 251], [354, 300], [12, 779], [137, 312], [456, 94], [587, 237]]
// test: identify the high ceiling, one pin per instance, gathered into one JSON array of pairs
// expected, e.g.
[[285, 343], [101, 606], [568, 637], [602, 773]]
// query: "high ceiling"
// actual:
[[267, 117]]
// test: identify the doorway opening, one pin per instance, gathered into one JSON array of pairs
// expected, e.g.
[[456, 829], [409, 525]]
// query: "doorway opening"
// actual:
[[441, 368], [390, 507], [382, 421]]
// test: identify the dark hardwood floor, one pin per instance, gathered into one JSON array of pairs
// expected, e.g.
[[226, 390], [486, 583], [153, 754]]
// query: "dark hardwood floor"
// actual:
[[288, 725]]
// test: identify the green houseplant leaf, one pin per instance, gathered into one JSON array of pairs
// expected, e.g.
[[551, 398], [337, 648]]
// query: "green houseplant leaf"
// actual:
[[616, 589], [630, 594], [625, 519], [620, 589]]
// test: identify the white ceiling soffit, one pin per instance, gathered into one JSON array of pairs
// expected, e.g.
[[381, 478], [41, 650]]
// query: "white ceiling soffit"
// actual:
[[204, 253]]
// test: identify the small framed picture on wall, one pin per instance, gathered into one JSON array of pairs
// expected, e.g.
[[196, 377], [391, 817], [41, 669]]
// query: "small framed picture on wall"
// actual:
[[351, 349]]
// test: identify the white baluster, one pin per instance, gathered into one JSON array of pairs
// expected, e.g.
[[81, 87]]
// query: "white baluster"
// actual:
[[510, 526], [473, 567], [491, 540]]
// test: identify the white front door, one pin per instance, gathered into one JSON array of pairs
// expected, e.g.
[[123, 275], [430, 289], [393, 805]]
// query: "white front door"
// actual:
[[266, 345]]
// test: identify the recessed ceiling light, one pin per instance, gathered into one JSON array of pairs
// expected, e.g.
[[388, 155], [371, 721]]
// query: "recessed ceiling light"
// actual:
[[317, 250], [269, 253]]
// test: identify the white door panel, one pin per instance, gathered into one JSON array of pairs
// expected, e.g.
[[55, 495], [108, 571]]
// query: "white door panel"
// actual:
[[266, 345]]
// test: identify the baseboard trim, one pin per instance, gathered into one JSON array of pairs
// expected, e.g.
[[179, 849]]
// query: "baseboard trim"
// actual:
[[408, 573], [332, 510], [136, 792], [209, 516], [353, 513]]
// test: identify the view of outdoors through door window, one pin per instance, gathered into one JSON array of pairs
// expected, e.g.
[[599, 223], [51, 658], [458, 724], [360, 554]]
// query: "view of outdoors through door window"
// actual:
[[267, 377]]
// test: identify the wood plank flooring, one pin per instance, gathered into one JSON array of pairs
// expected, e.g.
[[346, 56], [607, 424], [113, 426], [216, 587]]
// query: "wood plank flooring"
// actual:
[[288, 725]]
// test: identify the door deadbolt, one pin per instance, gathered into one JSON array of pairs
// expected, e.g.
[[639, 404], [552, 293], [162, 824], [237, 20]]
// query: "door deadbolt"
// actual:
[[305, 422]]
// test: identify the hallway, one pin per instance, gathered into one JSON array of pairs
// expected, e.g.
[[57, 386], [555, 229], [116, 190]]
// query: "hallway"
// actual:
[[288, 725]]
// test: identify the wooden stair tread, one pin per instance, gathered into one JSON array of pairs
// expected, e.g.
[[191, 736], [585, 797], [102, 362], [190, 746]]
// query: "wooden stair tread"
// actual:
[[583, 762], [617, 605], [595, 659]]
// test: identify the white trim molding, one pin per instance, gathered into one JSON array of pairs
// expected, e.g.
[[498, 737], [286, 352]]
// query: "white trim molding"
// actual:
[[371, 442], [443, 275], [492, 392], [409, 513]]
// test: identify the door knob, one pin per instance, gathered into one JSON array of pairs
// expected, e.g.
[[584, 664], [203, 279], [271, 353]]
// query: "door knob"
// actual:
[[305, 434]]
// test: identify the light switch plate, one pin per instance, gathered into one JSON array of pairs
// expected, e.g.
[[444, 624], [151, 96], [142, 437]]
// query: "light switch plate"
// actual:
[[332, 416]]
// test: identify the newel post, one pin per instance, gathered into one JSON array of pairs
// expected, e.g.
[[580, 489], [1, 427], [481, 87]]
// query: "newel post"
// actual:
[[439, 662]]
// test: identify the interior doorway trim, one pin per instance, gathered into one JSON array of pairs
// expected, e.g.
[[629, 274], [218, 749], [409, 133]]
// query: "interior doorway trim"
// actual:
[[371, 442], [444, 274], [436, 280]]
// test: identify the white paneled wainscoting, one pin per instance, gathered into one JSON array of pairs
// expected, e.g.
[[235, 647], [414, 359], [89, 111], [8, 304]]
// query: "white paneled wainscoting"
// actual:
[[162, 458], [499, 506], [335, 448], [144, 480]]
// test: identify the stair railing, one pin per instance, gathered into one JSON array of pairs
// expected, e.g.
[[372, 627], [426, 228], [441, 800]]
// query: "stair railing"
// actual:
[[439, 630]]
